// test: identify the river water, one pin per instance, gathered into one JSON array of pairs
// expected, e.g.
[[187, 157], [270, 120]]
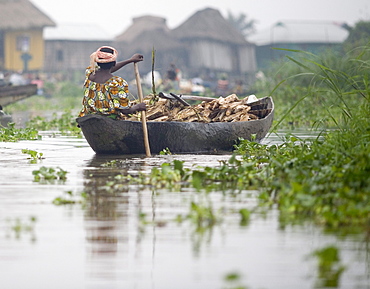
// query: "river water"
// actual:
[[125, 236]]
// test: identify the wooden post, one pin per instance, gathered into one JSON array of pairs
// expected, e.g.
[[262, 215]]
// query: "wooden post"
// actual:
[[143, 113]]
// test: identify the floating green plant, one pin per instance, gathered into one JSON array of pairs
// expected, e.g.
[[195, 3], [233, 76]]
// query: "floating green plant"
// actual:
[[19, 227], [170, 176], [34, 155], [233, 281], [65, 124], [165, 151], [69, 198], [49, 174], [112, 163], [245, 215], [12, 134]]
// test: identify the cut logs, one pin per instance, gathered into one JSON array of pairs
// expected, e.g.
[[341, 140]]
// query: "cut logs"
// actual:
[[222, 109]]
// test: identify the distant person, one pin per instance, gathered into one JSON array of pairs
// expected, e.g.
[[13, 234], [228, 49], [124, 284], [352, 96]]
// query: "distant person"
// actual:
[[238, 89], [105, 93], [171, 74], [222, 85], [172, 79], [2, 79], [40, 85], [17, 78], [197, 86]]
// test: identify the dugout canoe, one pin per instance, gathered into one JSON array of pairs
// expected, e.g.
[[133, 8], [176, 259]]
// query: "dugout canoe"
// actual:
[[108, 136], [10, 94]]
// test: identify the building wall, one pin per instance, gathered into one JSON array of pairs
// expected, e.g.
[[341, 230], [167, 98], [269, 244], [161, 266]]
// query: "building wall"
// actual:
[[23, 42], [163, 58], [69, 55], [247, 59], [210, 55], [221, 57], [196, 57]]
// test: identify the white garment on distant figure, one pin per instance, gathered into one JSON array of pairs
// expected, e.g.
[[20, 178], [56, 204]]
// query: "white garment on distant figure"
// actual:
[[17, 79]]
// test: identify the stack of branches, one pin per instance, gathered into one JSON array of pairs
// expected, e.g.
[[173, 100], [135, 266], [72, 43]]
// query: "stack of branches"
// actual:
[[222, 109]]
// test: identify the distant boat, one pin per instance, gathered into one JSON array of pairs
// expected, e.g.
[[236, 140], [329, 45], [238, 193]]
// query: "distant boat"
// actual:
[[13, 93], [108, 136], [5, 119]]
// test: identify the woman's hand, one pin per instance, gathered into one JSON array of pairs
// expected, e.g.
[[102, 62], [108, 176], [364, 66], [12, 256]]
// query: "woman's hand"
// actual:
[[134, 108], [139, 107], [134, 58], [137, 57]]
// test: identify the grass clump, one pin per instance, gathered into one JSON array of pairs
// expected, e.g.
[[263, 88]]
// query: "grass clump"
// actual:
[[317, 90]]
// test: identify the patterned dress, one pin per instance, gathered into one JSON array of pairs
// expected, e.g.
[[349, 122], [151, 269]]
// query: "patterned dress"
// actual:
[[105, 98]]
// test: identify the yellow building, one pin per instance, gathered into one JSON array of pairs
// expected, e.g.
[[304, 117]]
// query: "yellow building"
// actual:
[[21, 35]]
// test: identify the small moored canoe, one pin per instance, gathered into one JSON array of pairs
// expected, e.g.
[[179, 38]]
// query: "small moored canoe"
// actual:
[[108, 136], [10, 94]]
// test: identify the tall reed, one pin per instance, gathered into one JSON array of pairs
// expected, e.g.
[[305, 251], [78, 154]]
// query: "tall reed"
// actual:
[[329, 87]]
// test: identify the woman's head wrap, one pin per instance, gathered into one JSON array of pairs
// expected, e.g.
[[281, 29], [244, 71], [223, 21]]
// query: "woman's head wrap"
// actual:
[[102, 57]]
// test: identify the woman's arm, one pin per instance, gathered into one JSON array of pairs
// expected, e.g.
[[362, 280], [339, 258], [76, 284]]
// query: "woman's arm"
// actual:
[[135, 58], [135, 108]]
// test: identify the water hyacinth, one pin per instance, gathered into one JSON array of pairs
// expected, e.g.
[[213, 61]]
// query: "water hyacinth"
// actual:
[[325, 179]]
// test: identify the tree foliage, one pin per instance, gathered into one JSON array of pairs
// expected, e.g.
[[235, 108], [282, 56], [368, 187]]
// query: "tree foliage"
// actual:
[[242, 23], [359, 35]]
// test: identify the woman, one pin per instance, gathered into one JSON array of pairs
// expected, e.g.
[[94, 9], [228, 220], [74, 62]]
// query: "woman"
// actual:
[[105, 93]]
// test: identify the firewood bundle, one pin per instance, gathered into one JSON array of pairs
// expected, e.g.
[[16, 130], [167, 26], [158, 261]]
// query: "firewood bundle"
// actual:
[[222, 109]]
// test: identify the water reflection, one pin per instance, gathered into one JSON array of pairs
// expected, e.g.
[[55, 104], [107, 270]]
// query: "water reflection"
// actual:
[[106, 220], [112, 214], [125, 236], [122, 220], [329, 267]]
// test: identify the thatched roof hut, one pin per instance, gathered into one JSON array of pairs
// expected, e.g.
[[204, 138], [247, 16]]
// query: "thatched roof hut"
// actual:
[[205, 43], [213, 44], [22, 14], [145, 34], [21, 30], [209, 24], [140, 25], [69, 45]]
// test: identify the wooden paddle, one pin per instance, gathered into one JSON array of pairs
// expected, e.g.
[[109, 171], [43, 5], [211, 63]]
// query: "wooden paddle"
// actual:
[[143, 114], [186, 97]]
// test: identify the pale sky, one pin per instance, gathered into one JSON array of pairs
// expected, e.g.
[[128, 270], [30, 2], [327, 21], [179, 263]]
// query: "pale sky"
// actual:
[[116, 15]]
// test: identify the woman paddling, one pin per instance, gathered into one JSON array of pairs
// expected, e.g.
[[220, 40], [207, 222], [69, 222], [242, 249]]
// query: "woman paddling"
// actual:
[[105, 93]]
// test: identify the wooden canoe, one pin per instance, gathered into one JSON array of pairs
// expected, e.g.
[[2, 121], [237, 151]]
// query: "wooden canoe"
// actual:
[[108, 136], [10, 94]]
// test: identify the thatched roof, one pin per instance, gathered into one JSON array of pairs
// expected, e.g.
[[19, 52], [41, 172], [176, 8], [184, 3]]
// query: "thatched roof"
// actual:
[[22, 14], [209, 24], [141, 24], [77, 32], [157, 39]]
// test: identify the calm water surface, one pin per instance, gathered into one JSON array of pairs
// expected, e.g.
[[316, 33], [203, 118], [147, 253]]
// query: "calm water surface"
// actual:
[[126, 237]]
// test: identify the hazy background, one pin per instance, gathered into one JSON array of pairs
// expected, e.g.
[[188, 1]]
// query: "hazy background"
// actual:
[[115, 16]]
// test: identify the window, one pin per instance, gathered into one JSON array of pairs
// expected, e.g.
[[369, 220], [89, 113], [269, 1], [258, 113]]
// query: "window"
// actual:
[[60, 56], [23, 43]]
